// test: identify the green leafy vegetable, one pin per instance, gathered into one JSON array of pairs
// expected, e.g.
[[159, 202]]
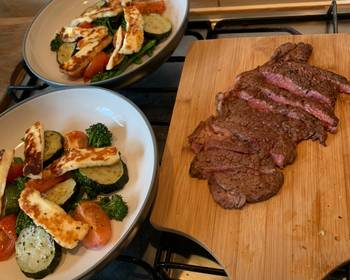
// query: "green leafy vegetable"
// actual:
[[150, 52], [115, 207], [99, 135], [23, 221], [110, 22], [123, 22], [20, 182], [127, 61], [18, 160], [56, 43]]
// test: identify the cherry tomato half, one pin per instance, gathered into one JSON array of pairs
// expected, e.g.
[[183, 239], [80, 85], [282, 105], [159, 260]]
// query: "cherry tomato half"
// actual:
[[7, 236], [100, 226], [97, 65]]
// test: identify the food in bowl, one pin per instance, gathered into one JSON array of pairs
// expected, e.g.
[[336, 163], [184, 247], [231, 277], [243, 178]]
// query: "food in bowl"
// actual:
[[110, 36], [61, 193]]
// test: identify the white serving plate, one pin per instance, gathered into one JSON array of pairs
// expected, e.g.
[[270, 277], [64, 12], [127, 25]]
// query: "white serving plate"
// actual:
[[58, 13], [75, 109]]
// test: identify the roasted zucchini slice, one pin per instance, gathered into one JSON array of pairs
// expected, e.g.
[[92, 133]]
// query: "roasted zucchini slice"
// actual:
[[53, 146], [63, 193], [11, 196], [156, 26], [102, 179], [37, 254], [65, 52]]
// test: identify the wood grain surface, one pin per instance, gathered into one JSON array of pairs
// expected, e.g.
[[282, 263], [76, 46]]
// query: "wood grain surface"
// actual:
[[301, 233], [12, 30]]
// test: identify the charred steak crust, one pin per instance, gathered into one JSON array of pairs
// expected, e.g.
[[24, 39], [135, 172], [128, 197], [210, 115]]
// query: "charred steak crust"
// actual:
[[205, 163], [300, 52], [204, 137], [233, 189], [274, 134], [259, 121]]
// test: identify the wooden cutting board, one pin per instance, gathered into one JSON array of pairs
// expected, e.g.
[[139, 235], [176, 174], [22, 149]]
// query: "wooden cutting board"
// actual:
[[301, 233]]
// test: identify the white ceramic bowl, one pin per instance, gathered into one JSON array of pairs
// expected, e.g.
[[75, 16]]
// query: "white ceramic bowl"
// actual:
[[58, 13], [76, 109]]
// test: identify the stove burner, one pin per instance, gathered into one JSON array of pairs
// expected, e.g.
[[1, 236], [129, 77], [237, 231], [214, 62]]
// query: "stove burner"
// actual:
[[21, 86]]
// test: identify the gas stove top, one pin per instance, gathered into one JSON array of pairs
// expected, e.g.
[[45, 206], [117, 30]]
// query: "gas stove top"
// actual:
[[171, 255]]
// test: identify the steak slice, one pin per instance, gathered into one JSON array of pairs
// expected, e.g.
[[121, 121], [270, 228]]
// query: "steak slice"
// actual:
[[314, 130], [300, 52], [265, 131], [299, 81], [232, 189], [261, 139], [204, 137], [287, 128], [252, 85], [339, 82], [205, 163]]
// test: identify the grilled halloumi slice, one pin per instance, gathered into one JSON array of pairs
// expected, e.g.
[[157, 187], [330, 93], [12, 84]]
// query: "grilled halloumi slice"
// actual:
[[97, 34], [81, 158], [72, 34], [110, 9], [116, 57], [75, 66], [62, 227], [34, 151], [134, 31], [6, 157]]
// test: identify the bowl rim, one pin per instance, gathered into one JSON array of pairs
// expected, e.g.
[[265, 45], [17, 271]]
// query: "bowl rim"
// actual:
[[126, 78], [149, 199]]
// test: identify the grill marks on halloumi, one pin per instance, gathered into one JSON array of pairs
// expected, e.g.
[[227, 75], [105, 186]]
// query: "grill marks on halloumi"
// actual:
[[81, 158], [34, 151], [111, 9], [6, 157], [116, 57], [66, 231], [96, 34], [134, 31], [71, 34], [88, 47]]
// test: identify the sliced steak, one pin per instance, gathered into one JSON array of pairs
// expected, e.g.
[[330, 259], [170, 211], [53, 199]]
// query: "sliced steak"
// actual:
[[259, 122], [232, 189], [338, 81], [288, 128], [262, 139], [341, 82], [205, 163], [265, 131], [289, 76], [314, 129], [252, 85], [300, 52]]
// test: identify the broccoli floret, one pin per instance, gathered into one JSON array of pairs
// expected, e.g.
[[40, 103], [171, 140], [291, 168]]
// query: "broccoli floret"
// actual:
[[23, 221], [56, 43], [91, 191], [115, 207], [99, 135]]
